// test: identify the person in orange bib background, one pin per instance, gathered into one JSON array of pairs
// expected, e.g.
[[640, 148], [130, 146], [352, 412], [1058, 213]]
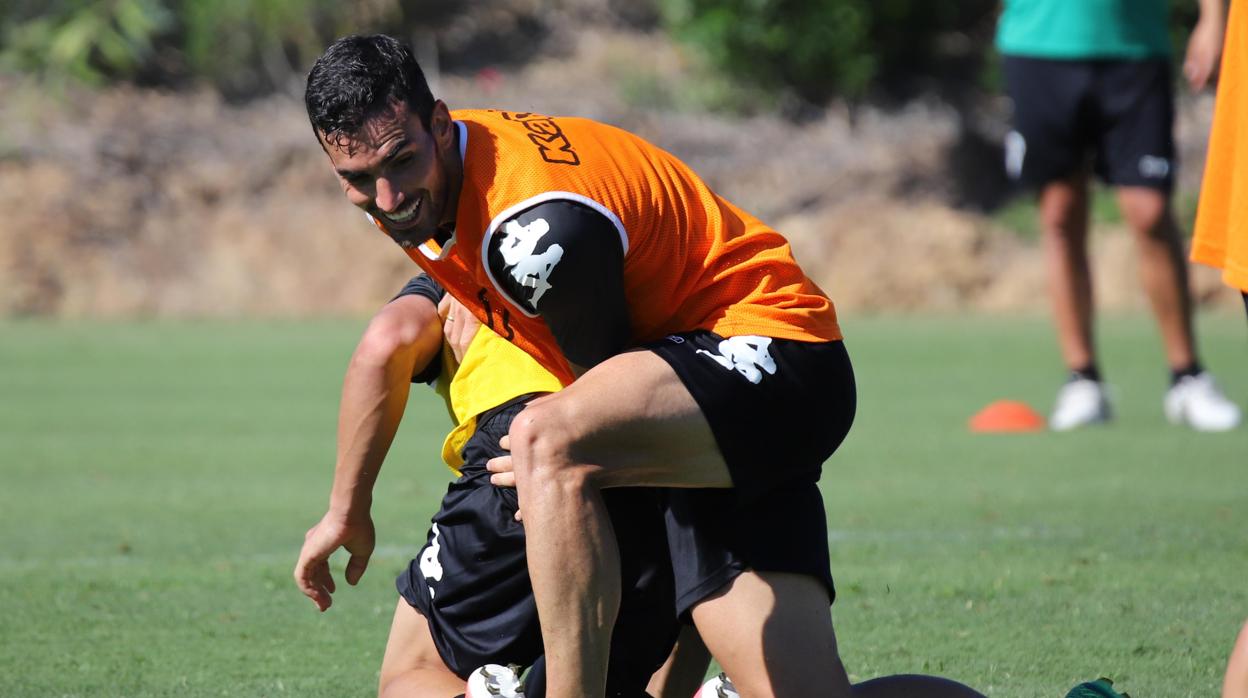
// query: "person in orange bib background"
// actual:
[[697, 357], [1221, 238]]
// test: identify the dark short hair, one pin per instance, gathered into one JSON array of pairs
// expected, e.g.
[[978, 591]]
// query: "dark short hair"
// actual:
[[358, 77]]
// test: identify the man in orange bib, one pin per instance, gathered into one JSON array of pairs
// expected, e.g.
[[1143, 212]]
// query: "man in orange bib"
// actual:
[[697, 357], [1221, 238]]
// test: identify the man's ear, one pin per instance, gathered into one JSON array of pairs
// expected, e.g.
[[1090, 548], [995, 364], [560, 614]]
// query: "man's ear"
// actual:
[[441, 125]]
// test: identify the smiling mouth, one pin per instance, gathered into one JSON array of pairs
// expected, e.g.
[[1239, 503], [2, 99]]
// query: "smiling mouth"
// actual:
[[405, 215]]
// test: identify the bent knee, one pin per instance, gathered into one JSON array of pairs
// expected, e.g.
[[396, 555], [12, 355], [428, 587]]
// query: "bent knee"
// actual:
[[543, 428], [544, 443]]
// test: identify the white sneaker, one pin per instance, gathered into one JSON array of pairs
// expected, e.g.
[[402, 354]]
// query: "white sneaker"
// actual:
[[718, 687], [494, 681], [1079, 403], [1197, 402]]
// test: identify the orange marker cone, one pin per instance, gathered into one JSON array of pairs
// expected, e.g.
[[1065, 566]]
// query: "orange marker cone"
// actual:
[[1006, 416]]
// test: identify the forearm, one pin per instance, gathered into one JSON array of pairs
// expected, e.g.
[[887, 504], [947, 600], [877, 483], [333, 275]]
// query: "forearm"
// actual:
[[1213, 11], [400, 341]]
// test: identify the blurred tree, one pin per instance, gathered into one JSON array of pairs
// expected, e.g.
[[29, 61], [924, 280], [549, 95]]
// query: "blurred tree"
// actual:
[[814, 49], [818, 49], [87, 40], [821, 48]]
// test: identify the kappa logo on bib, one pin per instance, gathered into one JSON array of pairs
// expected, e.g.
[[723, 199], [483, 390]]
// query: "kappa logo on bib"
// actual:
[[528, 269], [748, 355]]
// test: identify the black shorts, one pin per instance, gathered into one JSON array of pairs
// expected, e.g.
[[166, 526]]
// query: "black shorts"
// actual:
[[778, 409], [471, 580], [1119, 113]]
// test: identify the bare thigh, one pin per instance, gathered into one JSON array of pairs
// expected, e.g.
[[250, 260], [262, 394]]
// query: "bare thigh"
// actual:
[[633, 421], [412, 666]]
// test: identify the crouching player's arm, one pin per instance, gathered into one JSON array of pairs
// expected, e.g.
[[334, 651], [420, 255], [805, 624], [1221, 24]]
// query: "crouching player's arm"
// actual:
[[400, 341]]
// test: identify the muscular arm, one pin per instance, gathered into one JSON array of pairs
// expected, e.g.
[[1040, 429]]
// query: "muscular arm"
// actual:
[[564, 260], [400, 340]]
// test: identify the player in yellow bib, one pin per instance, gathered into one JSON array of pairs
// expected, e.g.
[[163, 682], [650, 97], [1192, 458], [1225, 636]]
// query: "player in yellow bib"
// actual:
[[466, 598]]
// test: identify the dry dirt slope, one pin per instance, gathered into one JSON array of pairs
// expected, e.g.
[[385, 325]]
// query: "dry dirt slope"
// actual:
[[133, 203]]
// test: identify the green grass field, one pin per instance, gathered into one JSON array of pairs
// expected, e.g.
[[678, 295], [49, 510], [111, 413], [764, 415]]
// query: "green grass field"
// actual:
[[157, 480]]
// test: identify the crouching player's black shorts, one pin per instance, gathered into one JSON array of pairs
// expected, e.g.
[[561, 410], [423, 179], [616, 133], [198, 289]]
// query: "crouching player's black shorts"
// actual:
[[778, 409], [471, 580]]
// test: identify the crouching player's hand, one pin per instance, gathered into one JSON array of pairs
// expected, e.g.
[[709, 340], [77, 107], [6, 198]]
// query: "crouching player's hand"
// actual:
[[333, 531], [502, 469]]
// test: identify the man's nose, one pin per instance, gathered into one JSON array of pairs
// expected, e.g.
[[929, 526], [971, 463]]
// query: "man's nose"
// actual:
[[388, 196]]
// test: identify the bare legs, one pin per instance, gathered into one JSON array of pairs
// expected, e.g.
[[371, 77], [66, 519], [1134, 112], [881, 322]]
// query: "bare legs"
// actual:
[[1163, 271], [1064, 231]]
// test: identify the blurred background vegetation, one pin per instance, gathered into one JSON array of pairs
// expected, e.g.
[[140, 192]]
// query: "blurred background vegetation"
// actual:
[[805, 52], [160, 148]]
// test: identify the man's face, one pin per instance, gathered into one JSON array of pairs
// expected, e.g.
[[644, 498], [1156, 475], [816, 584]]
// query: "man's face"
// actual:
[[398, 172]]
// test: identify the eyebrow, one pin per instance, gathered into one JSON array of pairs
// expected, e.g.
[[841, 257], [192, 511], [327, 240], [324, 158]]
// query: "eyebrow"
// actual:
[[390, 155]]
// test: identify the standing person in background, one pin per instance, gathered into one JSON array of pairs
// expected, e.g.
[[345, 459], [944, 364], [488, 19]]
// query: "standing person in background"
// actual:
[[1222, 230], [1091, 86]]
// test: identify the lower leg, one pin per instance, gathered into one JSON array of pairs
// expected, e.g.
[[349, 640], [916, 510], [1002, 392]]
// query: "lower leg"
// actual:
[[682, 674], [1163, 271], [573, 564], [1064, 229]]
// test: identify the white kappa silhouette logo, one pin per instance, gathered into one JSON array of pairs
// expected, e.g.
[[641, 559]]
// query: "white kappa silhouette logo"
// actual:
[[747, 355], [529, 270], [429, 564]]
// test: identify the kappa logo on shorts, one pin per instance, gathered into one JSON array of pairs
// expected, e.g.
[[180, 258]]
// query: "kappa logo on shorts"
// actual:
[[1015, 154], [429, 564], [528, 269], [1154, 167], [747, 355]]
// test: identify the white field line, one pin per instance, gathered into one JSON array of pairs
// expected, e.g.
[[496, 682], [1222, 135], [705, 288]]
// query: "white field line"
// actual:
[[9, 564], [407, 552]]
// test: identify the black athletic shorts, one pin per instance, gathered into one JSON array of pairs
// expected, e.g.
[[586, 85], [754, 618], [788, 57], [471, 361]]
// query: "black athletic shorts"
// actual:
[[778, 409], [471, 580], [1118, 113]]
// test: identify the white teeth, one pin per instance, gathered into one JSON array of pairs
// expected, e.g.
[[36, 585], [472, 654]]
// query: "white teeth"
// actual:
[[406, 214]]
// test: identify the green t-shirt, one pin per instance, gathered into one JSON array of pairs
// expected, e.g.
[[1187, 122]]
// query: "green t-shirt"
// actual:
[[1081, 29]]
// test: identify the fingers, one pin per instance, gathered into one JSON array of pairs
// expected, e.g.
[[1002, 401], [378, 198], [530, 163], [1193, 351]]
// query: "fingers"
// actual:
[[1197, 74], [1203, 50], [355, 568], [503, 471], [314, 580], [459, 326], [503, 480], [505, 442]]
